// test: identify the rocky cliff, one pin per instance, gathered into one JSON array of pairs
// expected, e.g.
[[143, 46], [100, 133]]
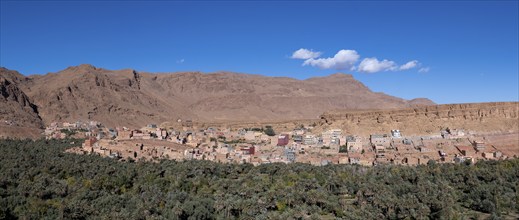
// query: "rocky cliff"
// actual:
[[18, 115], [482, 117]]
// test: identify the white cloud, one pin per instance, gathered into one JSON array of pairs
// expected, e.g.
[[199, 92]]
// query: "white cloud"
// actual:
[[305, 54], [347, 59], [180, 61], [424, 69], [344, 59], [373, 65], [409, 65]]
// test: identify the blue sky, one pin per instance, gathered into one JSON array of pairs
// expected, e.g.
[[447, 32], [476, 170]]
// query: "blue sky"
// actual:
[[467, 51]]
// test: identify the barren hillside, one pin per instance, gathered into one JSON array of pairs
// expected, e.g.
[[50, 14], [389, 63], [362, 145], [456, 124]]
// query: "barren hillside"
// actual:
[[132, 98]]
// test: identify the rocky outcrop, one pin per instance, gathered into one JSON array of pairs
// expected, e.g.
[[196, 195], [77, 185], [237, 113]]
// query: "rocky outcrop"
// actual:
[[497, 116], [16, 105], [18, 115]]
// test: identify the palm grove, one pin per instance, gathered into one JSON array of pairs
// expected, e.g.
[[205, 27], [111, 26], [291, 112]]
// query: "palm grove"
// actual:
[[38, 180]]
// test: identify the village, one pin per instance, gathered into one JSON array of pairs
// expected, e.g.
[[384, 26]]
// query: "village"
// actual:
[[299, 145]]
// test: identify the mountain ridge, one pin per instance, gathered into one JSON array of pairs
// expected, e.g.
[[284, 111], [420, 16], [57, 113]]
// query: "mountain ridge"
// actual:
[[128, 97]]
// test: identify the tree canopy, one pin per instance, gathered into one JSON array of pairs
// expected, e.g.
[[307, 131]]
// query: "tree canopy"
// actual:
[[38, 180], [269, 131]]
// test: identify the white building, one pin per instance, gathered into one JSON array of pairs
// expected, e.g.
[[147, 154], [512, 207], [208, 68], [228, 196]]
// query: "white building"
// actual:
[[396, 134], [310, 140]]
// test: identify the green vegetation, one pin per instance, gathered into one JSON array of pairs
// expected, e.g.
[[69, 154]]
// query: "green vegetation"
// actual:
[[68, 132], [343, 149], [236, 141], [221, 138], [269, 130], [39, 181]]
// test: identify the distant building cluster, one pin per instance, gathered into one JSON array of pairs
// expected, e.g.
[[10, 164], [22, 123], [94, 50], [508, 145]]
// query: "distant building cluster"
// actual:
[[253, 145]]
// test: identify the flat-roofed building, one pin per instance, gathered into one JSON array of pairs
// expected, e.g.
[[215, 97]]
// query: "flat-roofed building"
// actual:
[[310, 140], [396, 134], [479, 145], [282, 140], [380, 139], [353, 144]]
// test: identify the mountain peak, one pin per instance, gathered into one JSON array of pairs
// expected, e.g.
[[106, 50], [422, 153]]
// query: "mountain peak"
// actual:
[[339, 74], [87, 66], [421, 102], [11, 75], [82, 67]]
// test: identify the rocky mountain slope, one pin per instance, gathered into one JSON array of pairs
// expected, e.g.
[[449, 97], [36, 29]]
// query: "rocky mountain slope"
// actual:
[[481, 117], [18, 115], [131, 98], [111, 97]]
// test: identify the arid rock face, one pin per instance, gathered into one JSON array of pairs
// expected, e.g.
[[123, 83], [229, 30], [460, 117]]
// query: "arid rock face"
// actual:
[[131, 98], [111, 97], [483, 117], [18, 115]]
